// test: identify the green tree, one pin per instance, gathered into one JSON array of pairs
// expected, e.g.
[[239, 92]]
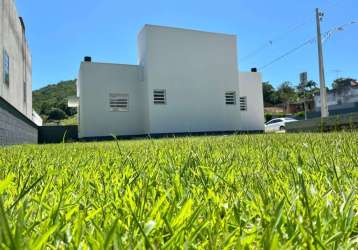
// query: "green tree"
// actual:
[[56, 114], [307, 89], [341, 84], [286, 93], [54, 96], [269, 93]]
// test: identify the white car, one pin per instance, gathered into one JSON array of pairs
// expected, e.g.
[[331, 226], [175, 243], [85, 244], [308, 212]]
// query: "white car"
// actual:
[[278, 124]]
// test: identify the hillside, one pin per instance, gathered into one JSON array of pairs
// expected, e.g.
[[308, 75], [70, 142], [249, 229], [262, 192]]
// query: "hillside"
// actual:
[[54, 98]]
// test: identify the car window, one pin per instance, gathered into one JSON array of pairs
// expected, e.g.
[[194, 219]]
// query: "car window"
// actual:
[[274, 121]]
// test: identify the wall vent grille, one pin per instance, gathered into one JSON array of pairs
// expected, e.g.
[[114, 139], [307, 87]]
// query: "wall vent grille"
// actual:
[[159, 96], [243, 103], [230, 98], [118, 102]]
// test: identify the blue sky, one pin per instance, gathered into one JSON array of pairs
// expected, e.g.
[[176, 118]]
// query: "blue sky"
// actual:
[[62, 32]]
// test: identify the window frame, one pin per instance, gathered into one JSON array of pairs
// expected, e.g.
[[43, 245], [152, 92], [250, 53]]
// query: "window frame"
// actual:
[[6, 68], [230, 98], [160, 102], [24, 88], [116, 101]]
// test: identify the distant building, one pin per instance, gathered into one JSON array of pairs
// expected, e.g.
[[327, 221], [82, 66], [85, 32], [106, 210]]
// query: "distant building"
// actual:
[[343, 100], [16, 125], [186, 82]]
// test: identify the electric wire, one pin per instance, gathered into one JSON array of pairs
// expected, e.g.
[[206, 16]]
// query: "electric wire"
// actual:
[[283, 35], [326, 35]]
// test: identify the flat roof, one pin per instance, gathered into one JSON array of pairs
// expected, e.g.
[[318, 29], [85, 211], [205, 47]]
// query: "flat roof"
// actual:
[[185, 29], [115, 64]]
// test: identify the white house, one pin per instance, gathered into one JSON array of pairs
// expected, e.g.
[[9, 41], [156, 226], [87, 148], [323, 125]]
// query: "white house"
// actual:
[[186, 81], [339, 98]]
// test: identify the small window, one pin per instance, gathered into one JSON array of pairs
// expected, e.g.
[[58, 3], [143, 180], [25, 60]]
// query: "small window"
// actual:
[[25, 92], [243, 103], [159, 96], [6, 68], [118, 102], [230, 98]]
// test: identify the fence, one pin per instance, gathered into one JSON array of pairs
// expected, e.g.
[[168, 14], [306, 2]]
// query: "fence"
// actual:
[[332, 123], [57, 134]]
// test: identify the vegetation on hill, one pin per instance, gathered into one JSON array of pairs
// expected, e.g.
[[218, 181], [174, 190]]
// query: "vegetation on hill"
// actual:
[[51, 101], [278, 191]]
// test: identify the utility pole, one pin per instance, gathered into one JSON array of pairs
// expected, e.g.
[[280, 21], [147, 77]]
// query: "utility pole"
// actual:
[[303, 83], [323, 92]]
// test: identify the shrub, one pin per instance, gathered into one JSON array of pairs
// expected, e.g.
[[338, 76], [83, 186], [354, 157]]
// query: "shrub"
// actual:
[[268, 116], [56, 114], [300, 115]]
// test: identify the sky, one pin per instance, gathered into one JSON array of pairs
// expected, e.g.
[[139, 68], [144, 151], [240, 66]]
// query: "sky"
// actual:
[[61, 32]]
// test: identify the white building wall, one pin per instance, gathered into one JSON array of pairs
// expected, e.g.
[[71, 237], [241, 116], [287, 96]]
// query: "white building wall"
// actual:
[[196, 69], [349, 95], [142, 61], [250, 84], [36, 118], [96, 82], [14, 42]]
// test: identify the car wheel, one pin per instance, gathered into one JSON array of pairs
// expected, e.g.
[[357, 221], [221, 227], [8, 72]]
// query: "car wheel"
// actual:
[[282, 128]]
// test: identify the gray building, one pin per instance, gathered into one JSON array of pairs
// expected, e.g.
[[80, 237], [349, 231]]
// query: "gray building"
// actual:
[[16, 114]]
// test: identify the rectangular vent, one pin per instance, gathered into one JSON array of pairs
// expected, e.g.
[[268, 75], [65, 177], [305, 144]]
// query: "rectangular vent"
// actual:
[[118, 102], [243, 103], [230, 98], [159, 96]]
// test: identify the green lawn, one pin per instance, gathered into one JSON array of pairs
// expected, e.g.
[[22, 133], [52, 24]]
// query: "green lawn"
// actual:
[[230, 192]]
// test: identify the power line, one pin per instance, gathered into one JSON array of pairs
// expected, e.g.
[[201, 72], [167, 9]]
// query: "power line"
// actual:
[[269, 43], [310, 41], [283, 35], [326, 36], [338, 29]]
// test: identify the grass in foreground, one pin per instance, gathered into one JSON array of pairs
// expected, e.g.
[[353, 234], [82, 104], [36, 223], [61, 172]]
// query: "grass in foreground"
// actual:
[[247, 192]]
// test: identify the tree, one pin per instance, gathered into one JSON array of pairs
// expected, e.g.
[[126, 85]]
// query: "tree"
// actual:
[[342, 84], [54, 96], [56, 114], [268, 93], [307, 89], [286, 93]]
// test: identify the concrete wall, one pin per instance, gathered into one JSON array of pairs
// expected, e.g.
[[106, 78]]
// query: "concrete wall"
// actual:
[[15, 128], [196, 69], [251, 87], [331, 123], [13, 40], [96, 82]]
